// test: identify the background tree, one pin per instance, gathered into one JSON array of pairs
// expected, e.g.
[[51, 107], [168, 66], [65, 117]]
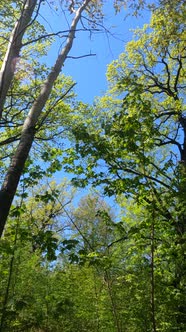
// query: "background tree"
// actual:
[[21, 32], [74, 268], [40, 289], [136, 142], [31, 242]]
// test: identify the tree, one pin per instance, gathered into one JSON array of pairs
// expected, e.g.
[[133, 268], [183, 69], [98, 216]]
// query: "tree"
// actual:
[[13, 49], [39, 287], [130, 147], [21, 32], [31, 241], [93, 225], [73, 268], [28, 131], [136, 143]]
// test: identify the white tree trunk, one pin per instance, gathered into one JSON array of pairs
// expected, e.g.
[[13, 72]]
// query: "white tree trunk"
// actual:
[[13, 50]]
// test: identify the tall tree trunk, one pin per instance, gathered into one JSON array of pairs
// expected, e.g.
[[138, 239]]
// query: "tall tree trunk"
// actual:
[[180, 263], [15, 170], [152, 274], [10, 274], [13, 175], [117, 322], [13, 50]]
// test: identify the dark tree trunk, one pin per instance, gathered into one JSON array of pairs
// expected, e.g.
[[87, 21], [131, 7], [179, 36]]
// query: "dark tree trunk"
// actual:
[[13, 175]]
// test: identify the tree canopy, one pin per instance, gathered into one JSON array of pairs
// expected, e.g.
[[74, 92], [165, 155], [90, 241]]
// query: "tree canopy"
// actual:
[[71, 264], [135, 143]]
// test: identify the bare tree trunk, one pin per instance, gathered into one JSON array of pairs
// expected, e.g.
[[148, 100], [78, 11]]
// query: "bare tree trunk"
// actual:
[[15, 170], [13, 50]]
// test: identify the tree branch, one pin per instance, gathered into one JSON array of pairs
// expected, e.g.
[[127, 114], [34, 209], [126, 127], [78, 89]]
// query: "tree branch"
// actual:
[[80, 56]]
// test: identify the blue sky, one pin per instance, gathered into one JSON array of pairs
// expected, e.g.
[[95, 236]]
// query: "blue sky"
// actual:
[[89, 72]]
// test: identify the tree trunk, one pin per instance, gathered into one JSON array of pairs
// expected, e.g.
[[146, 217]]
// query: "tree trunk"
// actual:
[[13, 50], [112, 301], [152, 274], [15, 170], [10, 274], [13, 175], [180, 230]]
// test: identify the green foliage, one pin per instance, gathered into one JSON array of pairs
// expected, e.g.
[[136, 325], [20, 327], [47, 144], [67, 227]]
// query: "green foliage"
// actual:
[[74, 267], [135, 134], [134, 145]]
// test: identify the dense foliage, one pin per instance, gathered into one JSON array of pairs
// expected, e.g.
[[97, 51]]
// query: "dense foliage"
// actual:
[[114, 260], [135, 144]]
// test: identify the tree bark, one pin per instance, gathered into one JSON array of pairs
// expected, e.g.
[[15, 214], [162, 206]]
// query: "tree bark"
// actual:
[[9, 281], [153, 313], [13, 50], [10, 184]]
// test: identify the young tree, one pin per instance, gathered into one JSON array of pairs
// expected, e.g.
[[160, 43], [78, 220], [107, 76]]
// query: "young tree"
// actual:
[[30, 244]]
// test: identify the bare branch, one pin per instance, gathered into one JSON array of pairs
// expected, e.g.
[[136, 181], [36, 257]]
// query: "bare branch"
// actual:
[[80, 56], [55, 34], [10, 140]]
